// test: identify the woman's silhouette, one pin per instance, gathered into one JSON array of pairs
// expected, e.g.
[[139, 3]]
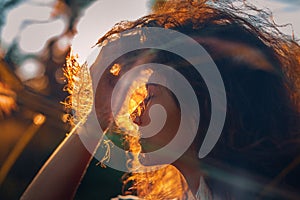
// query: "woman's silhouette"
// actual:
[[257, 153]]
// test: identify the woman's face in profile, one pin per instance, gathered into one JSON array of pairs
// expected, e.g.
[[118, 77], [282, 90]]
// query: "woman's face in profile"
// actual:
[[159, 95], [156, 95]]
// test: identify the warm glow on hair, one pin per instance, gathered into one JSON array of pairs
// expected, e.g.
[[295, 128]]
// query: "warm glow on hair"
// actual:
[[115, 69]]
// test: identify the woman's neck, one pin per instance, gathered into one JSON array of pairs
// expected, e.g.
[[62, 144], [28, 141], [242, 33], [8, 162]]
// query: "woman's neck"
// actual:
[[190, 169]]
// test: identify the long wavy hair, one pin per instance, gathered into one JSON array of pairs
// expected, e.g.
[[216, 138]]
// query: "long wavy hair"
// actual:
[[261, 72]]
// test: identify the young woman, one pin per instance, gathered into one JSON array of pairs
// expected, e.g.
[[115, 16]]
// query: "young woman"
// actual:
[[257, 153]]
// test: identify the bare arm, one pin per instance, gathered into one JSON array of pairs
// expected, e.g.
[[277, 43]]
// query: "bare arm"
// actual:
[[60, 176]]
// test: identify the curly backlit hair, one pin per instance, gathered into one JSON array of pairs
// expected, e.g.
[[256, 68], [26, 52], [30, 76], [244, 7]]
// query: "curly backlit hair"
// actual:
[[262, 80], [198, 14]]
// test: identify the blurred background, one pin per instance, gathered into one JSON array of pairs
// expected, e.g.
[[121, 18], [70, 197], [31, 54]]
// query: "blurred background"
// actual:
[[35, 37]]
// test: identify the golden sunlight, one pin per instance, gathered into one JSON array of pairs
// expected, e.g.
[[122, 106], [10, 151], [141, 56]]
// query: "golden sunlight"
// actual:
[[115, 69]]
